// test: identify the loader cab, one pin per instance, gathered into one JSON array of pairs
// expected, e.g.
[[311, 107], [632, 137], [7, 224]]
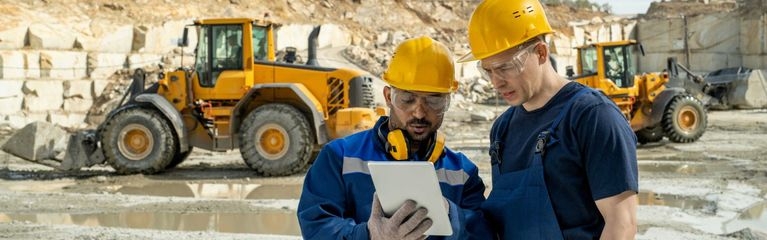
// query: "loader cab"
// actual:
[[226, 52], [608, 66], [619, 65]]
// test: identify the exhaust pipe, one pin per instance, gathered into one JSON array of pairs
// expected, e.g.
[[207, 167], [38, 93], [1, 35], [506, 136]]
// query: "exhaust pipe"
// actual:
[[312, 59]]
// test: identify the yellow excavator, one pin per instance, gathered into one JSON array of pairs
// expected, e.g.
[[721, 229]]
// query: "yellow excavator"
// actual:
[[657, 105], [236, 96]]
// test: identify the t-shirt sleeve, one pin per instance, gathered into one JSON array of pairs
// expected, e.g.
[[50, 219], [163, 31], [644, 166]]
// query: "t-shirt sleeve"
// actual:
[[608, 145]]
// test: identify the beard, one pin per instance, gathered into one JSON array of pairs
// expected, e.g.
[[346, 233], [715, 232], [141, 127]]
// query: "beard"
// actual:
[[419, 136]]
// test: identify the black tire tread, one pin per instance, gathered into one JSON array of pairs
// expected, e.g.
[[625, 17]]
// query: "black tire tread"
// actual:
[[285, 114], [670, 125], [153, 164]]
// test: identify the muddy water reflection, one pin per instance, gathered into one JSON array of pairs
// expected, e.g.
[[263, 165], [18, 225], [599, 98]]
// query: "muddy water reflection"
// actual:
[[651, 198], [754, 218], [214, 190], [265, 222]]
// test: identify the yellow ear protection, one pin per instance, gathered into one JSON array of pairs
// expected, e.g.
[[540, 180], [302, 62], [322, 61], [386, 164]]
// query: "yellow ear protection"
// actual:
[[398, 145]]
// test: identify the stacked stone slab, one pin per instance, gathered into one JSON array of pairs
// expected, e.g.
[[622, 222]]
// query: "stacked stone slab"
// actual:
[[53, 72]]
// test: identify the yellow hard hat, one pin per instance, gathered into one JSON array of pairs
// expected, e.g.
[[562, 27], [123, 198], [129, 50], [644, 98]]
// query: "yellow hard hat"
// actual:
[[498, 25], [422, 64]]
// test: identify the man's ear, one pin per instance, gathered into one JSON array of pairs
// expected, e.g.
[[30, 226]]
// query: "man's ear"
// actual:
[[387, 95], [542, 50]]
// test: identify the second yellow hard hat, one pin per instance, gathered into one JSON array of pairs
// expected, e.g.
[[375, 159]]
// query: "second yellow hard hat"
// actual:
[[498, 25], [422, 64]]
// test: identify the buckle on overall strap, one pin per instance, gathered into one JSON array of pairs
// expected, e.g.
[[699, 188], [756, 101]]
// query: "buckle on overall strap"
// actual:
[[495, 153], [543, 139]]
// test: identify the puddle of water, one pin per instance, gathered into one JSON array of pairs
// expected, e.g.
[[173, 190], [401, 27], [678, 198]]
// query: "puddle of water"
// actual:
[[754, 218], [651, 198], [682, 168], [234, 191], [265, 222]]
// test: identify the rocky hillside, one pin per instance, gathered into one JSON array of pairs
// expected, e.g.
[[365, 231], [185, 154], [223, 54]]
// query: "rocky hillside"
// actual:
[[364, 19]]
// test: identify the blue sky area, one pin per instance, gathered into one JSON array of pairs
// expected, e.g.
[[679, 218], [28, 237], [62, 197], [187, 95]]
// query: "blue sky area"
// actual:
[[627, 6]]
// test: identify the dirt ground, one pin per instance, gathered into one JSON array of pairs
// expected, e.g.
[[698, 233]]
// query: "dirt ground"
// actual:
[[710, 189]]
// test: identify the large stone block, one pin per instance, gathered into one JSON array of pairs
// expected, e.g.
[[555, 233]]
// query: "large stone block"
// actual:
[[37, 117], [77, 105], [332, 35], [701, 63], [32, 60], [103, 65], [11, 96], [753, 33], [467, 70], [714, 33], [116, 41], [78, 88], [98, 87], [16, 121], [297, 35], [656, 62], [143, 60], [51, 36], [37, 141], [10, 105], [68, 120], [43, 95], [294, 35], [13, 38], [755, 61], [162, 39], [42, 104], [11, 88], [63, 64], [656, 34], [11, 65]]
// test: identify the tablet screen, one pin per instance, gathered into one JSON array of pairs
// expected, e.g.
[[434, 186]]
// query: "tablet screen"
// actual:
[[397, 181]]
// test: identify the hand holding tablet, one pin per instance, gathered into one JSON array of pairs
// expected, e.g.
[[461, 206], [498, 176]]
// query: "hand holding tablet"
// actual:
[[399, 181]]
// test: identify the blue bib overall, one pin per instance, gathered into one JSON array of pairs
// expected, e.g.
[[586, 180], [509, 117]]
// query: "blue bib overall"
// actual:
[[519, 206]]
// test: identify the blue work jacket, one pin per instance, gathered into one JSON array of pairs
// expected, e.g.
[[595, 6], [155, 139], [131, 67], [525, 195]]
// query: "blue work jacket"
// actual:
[[338, 191]]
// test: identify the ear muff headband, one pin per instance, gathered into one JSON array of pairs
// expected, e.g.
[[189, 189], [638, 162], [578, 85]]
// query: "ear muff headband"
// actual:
[[398, 146]]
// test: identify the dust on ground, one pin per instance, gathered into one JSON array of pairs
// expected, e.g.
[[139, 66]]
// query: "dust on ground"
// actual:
[[711, 189]]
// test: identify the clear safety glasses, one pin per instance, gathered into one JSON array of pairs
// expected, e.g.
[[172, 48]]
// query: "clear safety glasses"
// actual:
[[508, 69], [407, 101]]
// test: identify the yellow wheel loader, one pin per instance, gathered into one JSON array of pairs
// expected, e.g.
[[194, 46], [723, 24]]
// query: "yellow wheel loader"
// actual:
[[657, 105], [236, 96]]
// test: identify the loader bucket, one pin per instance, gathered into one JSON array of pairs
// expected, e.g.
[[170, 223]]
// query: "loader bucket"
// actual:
[[47, 144]]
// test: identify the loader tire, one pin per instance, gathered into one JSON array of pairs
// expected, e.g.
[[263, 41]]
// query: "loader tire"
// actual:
[[685, 119], [276, 140], [139, 140], [650, 134]]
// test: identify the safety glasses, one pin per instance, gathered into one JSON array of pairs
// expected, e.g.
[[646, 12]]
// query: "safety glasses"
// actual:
[[511, 68], [407, 101]]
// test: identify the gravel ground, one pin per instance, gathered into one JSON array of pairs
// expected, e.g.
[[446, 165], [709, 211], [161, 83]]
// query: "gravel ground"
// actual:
[[711, 189]]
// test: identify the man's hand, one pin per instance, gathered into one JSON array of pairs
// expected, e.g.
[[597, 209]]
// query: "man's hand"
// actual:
[[406, 223]]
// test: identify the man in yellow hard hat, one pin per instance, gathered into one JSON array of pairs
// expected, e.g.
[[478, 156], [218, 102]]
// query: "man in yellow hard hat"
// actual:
[[338, 202], [563, 156]]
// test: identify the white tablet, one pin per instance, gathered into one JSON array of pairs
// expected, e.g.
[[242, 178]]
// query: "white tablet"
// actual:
[[398, 181]]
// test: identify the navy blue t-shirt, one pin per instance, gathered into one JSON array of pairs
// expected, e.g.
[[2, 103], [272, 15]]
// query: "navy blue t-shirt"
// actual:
[[594, 157]]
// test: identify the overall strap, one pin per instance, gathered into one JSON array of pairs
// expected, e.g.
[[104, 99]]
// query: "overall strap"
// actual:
[[543, 137]]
